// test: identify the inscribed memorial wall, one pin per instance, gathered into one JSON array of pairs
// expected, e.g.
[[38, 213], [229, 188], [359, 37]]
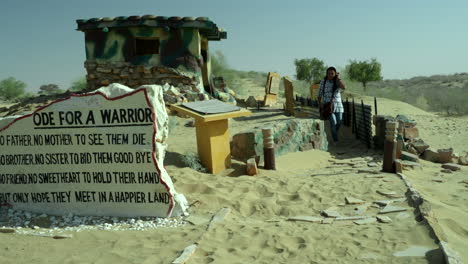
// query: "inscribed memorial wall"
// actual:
[[93, 154]]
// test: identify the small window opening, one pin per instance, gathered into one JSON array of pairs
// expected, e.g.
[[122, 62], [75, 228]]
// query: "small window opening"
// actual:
[[146, 46]]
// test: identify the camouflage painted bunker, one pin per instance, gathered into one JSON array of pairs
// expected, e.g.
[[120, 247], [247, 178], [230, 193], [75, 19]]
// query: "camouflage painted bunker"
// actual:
[[149, 49]]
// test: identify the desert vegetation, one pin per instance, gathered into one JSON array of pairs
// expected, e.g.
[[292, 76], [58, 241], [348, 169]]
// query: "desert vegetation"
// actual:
[[446, 94]]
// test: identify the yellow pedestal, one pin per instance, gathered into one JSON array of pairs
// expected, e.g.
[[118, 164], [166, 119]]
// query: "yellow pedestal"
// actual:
[[212, 133]]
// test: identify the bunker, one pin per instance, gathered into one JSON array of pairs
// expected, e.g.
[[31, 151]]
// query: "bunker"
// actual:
[[138, 50]]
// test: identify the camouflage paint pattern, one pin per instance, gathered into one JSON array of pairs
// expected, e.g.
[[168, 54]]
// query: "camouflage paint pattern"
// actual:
[[176, 47], [113, 39]]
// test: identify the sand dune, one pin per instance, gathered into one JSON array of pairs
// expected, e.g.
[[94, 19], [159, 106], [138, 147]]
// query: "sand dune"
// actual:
[[257, 230]]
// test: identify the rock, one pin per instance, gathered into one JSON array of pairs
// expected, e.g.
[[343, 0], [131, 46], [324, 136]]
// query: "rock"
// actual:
[[391, 209], [409, 156], [384, 219], [463, 160], [451, 166], [412, 150], [346, 218], [389, 194], [368, 170], [7, 230], [251, 102], [430, 155], [366, 221], [409, 164], [372, 164], [289, 136], [331, 212], [251, 169], [352, 200], [446, 171], [311, 219], [173, 91], [445, 155], [420, 146], [61, 236], [103, 70], [410, 133]]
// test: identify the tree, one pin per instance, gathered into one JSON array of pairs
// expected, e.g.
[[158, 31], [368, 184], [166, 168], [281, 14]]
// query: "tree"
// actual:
[[218, 63], [364, 71], [78, 85], [310, 70], [49, 89], [11, 88]]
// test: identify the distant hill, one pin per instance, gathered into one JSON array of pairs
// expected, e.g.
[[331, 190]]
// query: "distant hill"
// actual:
[[447, 94], [437, 93]]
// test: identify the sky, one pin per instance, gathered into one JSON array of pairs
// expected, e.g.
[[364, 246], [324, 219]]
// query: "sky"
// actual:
[[39, 43]]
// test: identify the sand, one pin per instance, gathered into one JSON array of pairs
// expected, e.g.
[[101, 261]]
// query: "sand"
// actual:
[[257, 231], [447, 195]]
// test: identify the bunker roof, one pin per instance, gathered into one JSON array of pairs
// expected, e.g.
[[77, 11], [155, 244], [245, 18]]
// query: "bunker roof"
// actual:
[[207, 28]]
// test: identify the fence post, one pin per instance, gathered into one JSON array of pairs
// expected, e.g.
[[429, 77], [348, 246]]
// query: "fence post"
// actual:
[[375, 105], [268, 149], [353, 119], [389, 148]]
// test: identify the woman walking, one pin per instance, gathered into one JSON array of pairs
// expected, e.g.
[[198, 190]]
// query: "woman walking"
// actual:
[[331, 107]]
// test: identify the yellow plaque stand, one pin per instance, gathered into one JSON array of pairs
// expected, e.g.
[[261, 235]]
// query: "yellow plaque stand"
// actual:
[[213, 137]]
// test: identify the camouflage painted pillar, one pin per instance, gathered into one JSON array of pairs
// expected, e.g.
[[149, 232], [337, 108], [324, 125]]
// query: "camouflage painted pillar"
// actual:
[[389, 148], [268, 149]]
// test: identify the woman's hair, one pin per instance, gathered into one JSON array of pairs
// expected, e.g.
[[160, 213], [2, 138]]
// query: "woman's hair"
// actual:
[[335, 85], [331, 68]]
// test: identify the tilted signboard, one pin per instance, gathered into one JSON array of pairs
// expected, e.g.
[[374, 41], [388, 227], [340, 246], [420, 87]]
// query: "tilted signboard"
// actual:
[[90, 154]]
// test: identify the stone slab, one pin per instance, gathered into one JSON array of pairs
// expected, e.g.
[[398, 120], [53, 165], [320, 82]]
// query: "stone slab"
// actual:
[[366, 221], [392, 209], [384, 219], [331, 212], [305, 218], [352, 200], [409, 156], [451, 166]]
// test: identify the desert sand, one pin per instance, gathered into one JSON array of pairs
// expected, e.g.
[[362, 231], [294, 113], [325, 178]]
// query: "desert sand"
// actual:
[[257, 229]]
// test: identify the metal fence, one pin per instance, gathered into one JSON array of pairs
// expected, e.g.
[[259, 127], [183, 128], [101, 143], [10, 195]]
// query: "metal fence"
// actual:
[[357, 116]]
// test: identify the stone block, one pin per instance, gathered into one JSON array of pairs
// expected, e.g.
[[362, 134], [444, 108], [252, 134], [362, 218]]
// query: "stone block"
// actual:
[[412, 150], [420, 146], [103, 70], [398, 166], [411, 132], [384, 219], [451, 166], [104, 82], [251, 167], [430, 155], [445, 155], [409, 156]]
